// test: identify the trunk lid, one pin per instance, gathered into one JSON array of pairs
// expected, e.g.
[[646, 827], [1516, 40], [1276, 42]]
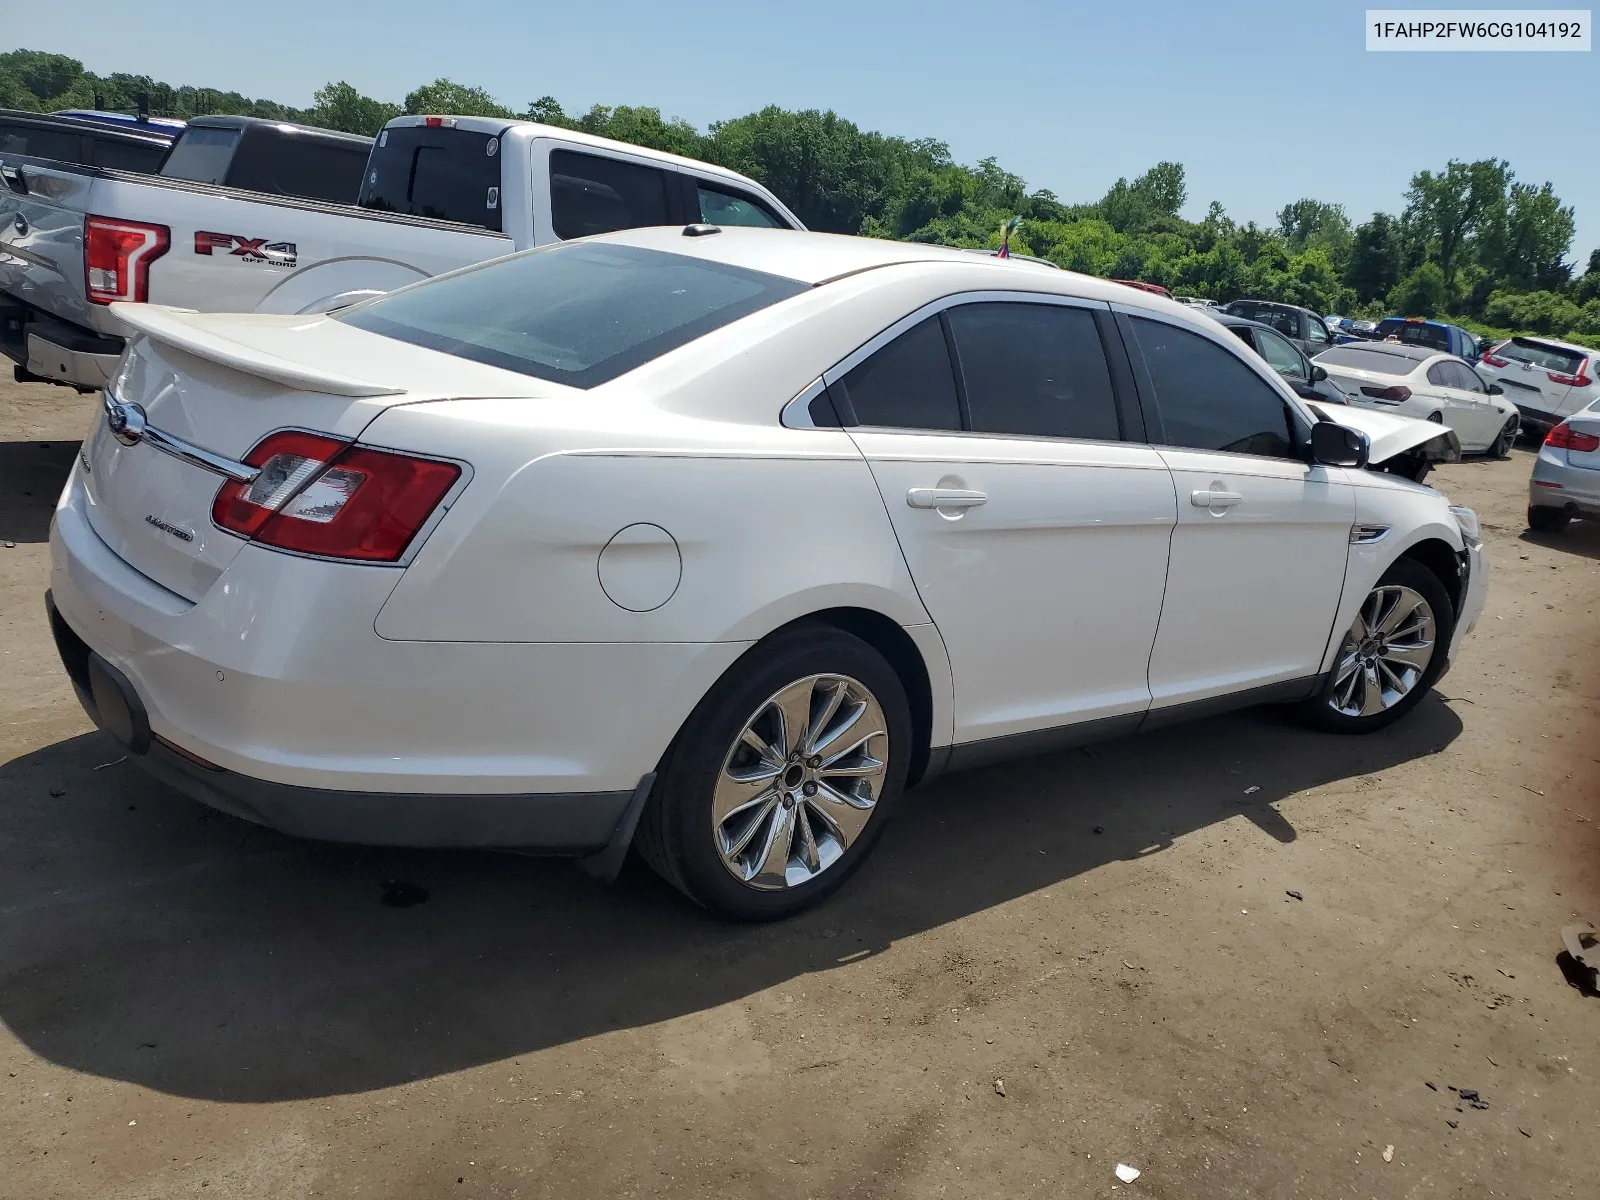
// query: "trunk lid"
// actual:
[[222, 382]]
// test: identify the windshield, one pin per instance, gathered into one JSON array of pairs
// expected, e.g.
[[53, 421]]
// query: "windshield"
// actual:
[[578, 314], [1363, 359]]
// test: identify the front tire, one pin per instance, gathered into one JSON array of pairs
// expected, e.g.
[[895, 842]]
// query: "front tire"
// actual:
[[777, 787], [1547, 520], [1391, 655]]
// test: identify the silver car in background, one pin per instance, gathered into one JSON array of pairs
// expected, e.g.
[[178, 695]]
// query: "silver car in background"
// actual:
[[1566, 475]]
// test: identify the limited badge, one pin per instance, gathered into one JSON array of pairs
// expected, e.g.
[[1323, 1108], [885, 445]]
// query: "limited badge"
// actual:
[[492, 147], [494, 198]]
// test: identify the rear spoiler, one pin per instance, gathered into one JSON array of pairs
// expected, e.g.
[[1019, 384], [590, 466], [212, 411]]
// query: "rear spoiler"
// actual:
[[177, 327]]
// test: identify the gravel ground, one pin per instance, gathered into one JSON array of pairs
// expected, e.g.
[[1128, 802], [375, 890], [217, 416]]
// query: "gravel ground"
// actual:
[[1050, 967]]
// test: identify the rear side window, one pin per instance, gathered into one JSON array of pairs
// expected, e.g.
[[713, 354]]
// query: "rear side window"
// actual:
[[1286, 323], [578, 315], [298, 164], [724, 208], [1034, 369], [446, 174], [1208, 398], [58, 144], [124, 156], [590, 194], [1465, 377], [201, 154], [908, 384]]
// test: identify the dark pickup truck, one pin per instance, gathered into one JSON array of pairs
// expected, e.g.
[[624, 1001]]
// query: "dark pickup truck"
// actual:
[[87, 142]]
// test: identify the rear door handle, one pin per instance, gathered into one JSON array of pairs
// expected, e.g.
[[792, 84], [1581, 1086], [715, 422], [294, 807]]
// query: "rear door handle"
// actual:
[[944, 498], [1211, 499]]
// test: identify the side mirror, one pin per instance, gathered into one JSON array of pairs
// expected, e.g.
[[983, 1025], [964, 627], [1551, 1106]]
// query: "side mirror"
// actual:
[[1496, 390], [1318, 374], [1335, 445]]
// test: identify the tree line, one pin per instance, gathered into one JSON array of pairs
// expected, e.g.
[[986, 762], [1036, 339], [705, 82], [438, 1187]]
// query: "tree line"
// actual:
[[1472, 243]]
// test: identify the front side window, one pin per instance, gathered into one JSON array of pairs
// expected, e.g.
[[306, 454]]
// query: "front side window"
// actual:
[[578, 315], [908, 384], [718, 207], [1316, 333], [1034, 370], [1280, 355], [1208, 397], [591, 194]]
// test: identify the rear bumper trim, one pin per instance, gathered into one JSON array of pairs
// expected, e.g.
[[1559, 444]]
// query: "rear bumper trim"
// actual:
[[82, 367]]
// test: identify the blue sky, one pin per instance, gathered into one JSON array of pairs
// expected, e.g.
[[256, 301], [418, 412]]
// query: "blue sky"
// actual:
[[1263, 103]]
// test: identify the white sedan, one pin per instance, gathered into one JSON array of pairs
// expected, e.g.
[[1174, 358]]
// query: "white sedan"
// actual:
[[710, 542], [1420, 382]]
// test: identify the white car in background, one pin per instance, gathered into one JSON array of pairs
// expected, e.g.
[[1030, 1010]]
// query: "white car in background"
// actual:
[[1548, 380], [712, 541], [1420, 382]]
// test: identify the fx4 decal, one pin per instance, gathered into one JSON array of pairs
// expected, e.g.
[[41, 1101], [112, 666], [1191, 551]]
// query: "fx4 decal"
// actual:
[[279, 254]]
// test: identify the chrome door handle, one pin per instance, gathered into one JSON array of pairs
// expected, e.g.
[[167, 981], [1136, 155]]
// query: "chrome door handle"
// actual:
[[1210, 499], [944, 498]]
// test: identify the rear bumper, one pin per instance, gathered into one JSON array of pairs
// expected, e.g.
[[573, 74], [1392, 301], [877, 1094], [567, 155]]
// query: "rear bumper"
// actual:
[[1475, 592], [550, 822], [55, 351], [1555, 484]]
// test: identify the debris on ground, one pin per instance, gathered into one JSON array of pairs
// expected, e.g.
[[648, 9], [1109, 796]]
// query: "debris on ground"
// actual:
[[1523, 1132], [1294, 895], [57, 793], [1252, 789], [999, 1087], [1452, 1124], [1099, 828], [1431, 1085], [112, 763], [1388, 1154], [399, 894], [1126, 1173]]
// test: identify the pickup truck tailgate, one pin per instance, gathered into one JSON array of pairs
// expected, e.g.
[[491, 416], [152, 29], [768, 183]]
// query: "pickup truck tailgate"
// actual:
[[41, 236]]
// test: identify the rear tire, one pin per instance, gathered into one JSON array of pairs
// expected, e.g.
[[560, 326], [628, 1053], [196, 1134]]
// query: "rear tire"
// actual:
[[810, 793], [1547, 520], [1501, 447], [1388, 660]]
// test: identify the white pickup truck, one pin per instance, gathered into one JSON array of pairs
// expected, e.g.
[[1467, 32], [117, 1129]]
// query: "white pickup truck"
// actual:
[[439, 193]]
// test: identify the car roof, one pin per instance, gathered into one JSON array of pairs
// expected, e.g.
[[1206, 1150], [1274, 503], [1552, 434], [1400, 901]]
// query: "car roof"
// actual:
[[89, 125], [817, 258], [234, 122]]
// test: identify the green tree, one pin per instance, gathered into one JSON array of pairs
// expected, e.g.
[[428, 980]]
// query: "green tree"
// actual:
[[1373, 267], [445, 97], [1588, 287], [1524, 239], [340, 106], [45, 75], [1423, 293], [1447, 209]]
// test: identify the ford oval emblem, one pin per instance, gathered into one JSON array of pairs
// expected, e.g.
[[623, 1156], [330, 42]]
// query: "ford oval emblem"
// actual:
[[126, 421]]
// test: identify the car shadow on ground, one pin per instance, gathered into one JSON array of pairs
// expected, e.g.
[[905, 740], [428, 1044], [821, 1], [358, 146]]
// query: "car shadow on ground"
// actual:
[[33, 473], [1581, 537], [150, 940]]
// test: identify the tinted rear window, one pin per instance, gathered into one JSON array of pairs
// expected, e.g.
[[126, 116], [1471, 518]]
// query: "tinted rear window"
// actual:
[[124, 155], [907, 384], [1367, 360], [201, 154], [579, 314], [590, 193], [1549, 358], [1414, 333], [446, 174], [19, 138], [1285, 321], [291, 163]]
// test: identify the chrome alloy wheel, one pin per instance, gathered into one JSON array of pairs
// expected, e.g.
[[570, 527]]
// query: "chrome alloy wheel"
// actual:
[[1386, 652], [800, 782]]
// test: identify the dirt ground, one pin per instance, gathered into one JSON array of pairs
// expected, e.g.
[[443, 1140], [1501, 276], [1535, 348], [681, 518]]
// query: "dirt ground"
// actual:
[[1049, 968]]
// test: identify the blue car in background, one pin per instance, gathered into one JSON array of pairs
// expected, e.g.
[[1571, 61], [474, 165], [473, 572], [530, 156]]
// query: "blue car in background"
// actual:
[[1416, 331]]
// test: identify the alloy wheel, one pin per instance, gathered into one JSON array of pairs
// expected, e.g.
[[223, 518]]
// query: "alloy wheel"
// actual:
[[800, 782], [1385, 654]]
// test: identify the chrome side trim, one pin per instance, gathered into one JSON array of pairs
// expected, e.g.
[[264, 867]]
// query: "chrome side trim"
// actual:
[[797, 413], [1366, 535], [128, 425]]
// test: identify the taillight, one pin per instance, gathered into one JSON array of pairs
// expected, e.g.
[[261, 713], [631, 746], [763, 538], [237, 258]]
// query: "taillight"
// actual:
[[1391, 395], [317, 495], [117, 257], [1578, 380], [439, 122], [1565, 437], [1489, 358]]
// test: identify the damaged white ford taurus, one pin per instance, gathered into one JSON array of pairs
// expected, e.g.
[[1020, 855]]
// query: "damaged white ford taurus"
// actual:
[[712, 541]]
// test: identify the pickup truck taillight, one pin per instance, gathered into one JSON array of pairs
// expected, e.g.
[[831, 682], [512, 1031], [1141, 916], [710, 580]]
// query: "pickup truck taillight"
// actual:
[[117, 257], [319, 496]]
